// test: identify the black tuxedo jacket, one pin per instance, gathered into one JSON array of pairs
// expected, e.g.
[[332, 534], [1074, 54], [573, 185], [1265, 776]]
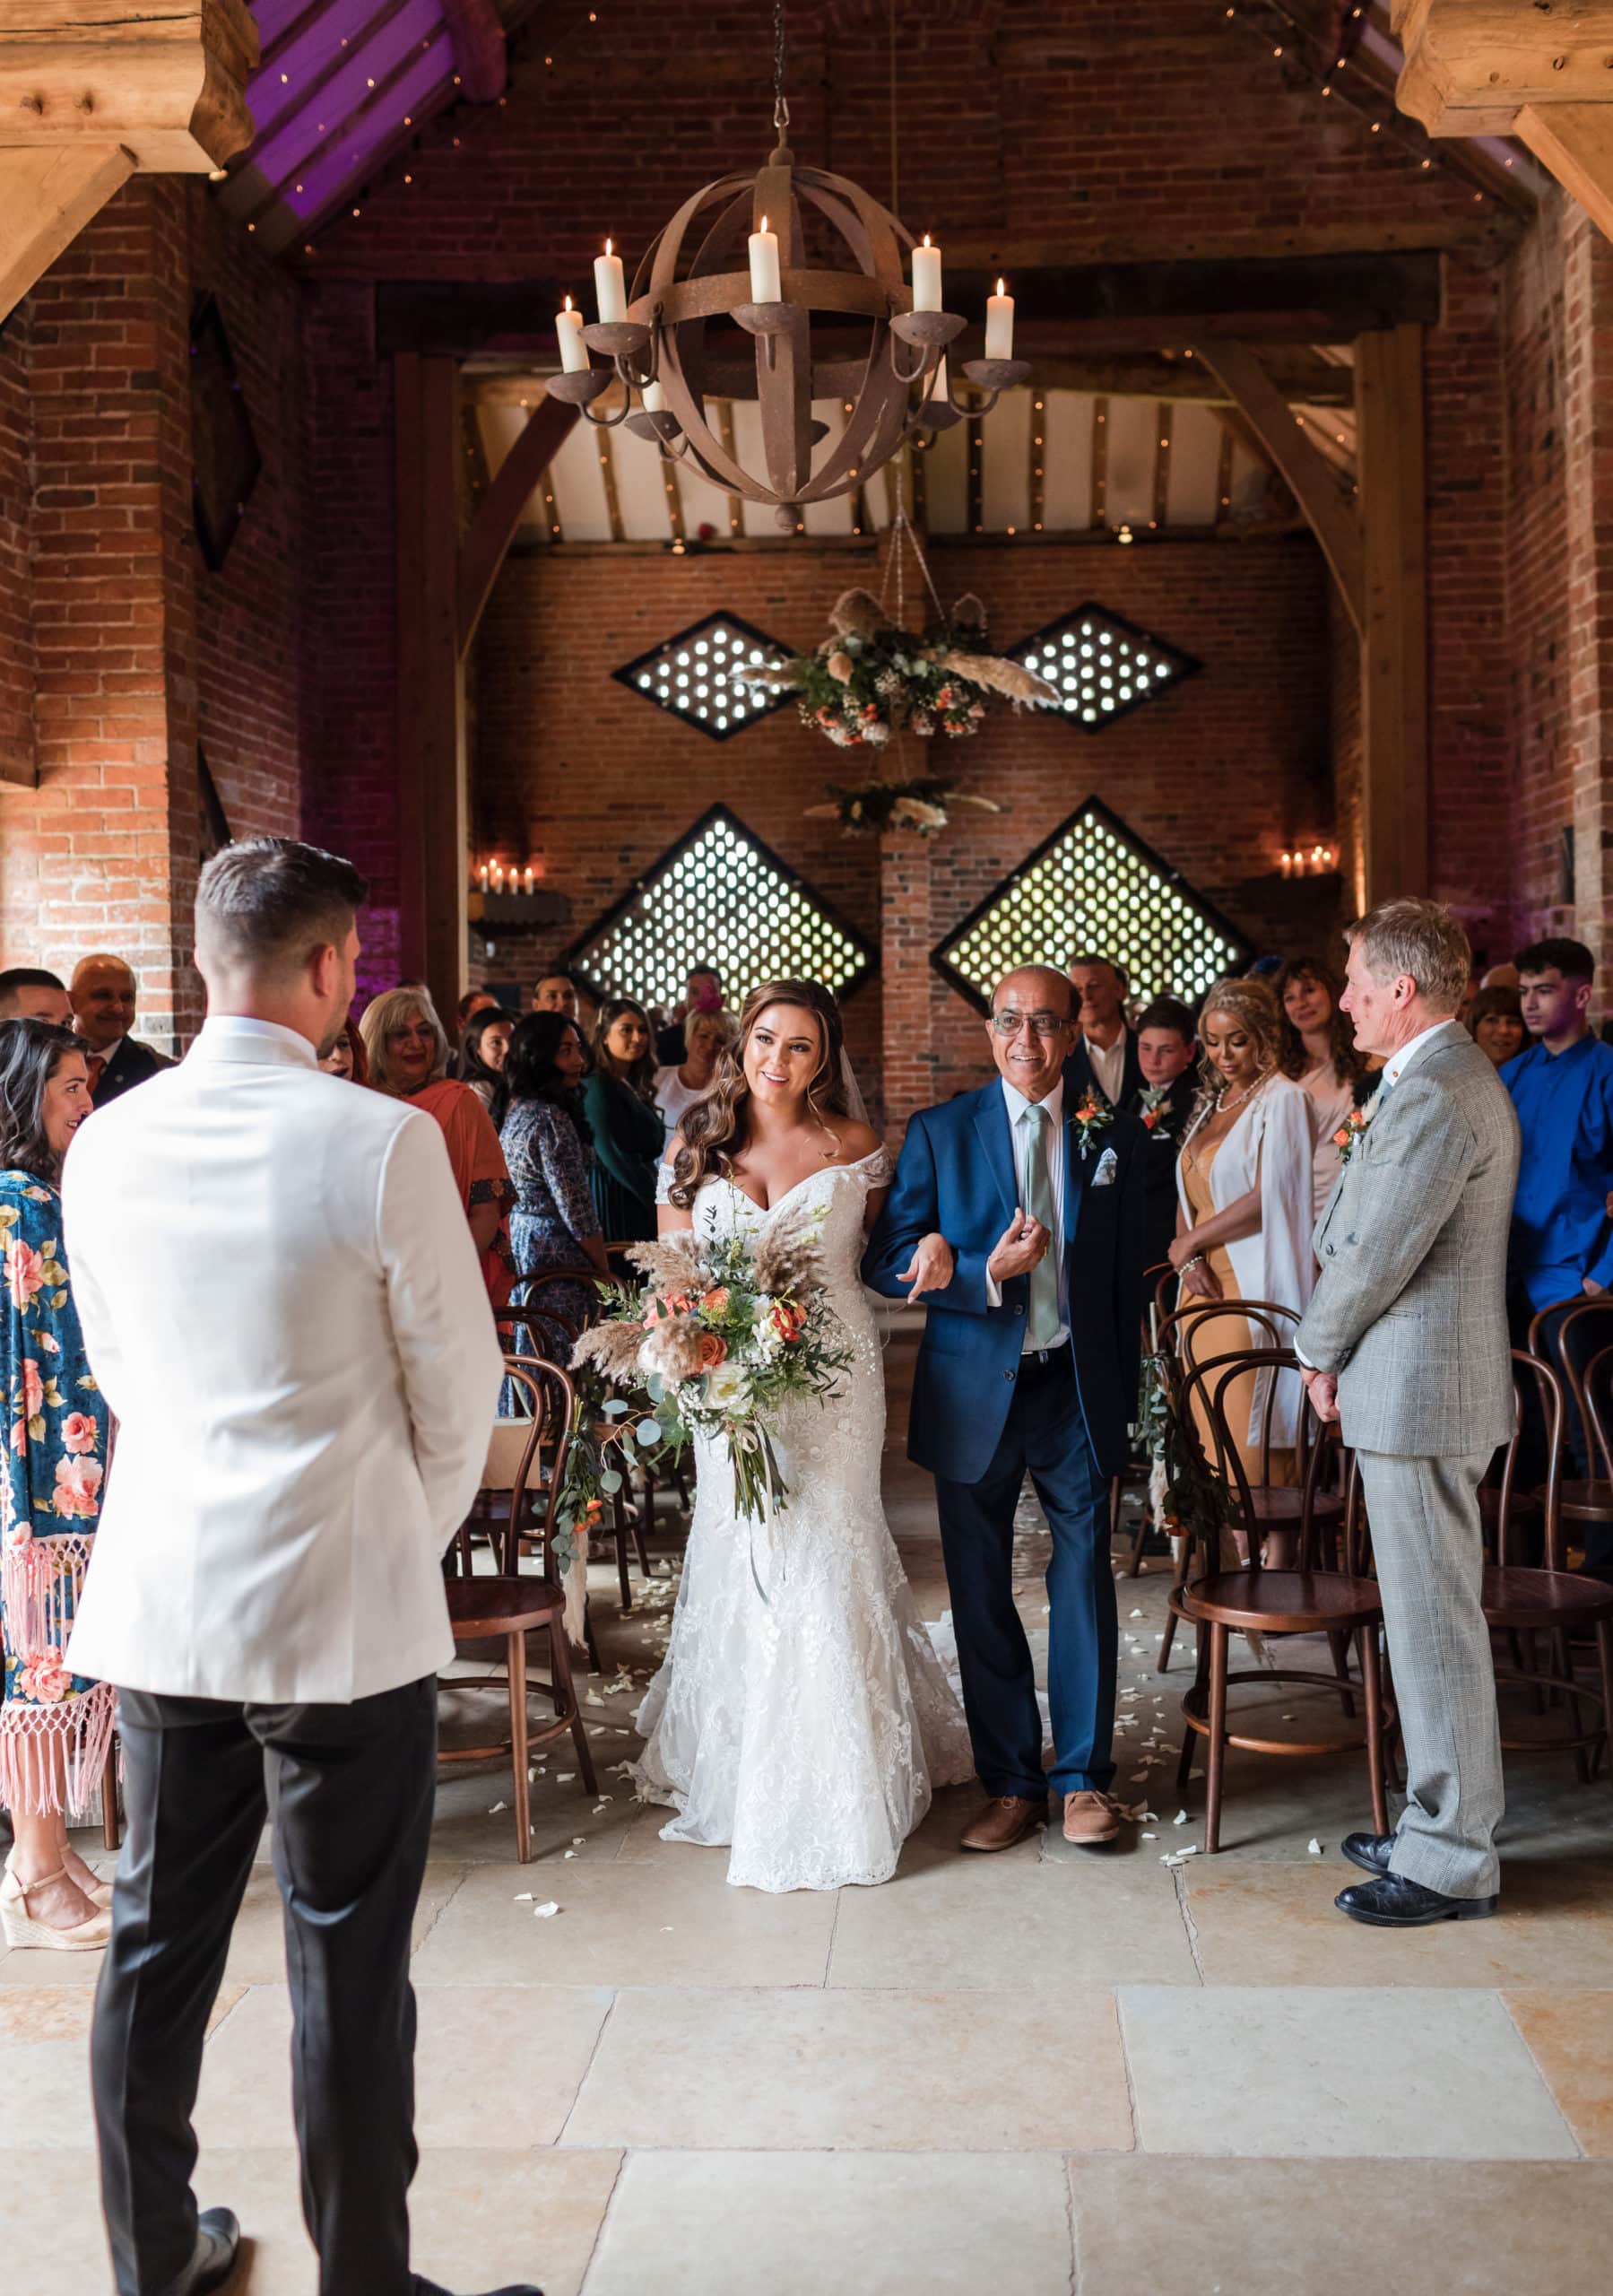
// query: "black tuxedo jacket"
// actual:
[[130, 1065], [1159, 1162], [1080, 1077]]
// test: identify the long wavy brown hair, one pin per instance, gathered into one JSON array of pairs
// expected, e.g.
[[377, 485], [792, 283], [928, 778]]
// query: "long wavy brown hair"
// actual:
[[716, 1128], [1292, 1057]]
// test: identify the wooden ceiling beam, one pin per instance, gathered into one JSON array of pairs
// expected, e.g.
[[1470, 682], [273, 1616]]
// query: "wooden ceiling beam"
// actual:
[[480, 61], [282, 226], [483, 552], [236, 198]]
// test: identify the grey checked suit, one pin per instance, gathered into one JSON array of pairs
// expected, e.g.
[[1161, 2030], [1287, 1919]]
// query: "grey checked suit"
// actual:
[[1410, 1313]]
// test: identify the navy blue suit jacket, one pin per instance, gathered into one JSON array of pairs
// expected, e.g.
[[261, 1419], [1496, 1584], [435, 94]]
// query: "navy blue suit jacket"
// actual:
[[956, 1176]]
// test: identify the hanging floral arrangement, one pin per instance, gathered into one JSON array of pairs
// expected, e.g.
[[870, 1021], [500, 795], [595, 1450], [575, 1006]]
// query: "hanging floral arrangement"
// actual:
[[872, 679], [921, 807]]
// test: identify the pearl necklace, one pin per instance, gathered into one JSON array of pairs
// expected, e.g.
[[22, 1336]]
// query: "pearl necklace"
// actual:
[[1222, 1103]]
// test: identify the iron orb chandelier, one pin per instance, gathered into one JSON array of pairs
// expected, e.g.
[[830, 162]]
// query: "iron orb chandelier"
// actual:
[[737, 251]]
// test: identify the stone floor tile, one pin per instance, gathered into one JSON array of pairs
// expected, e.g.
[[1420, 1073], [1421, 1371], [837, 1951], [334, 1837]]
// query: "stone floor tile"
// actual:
[[1276, 1924], [1395, 2071], [956, 1919], [877, 2071], [1570, 2036], [494, 2066], [52, 2242], [803, 2223], [677, 1925], [1334, 2228], [44, 2061], [257, 1948]]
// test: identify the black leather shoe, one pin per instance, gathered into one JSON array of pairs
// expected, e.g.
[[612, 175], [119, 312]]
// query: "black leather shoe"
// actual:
[[212, 2260], [515, 2288], [1369, 1851], [1392, 1902]]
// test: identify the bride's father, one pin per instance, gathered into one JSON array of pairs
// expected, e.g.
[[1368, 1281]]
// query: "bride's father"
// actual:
[[1016, 1215], [1406, 1335]]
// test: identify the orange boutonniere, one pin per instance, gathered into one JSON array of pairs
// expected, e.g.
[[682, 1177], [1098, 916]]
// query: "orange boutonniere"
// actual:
[[1353, 1128], [1094, 1114]]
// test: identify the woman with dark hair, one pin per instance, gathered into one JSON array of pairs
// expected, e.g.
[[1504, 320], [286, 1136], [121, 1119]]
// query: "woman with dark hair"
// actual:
[[55, 1728], [1317, 1049], [618, 1100], [1495, 1024], [483, 1050], [803, 1727], [347, 1057], [546, 1142]]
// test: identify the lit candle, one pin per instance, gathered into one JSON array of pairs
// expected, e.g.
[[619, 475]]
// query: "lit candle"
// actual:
[[482, 873], [497, 876], [764, 284], [1000, 324], [1287, 864], [654, 399], [609, 287], [569, 329], [926, 277], [529, 876]]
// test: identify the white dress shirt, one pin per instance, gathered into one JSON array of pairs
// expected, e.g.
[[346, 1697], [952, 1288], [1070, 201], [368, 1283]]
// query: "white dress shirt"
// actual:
[[1395, 1067], [283, 1307], [1052, 1143], [1109, 1067]]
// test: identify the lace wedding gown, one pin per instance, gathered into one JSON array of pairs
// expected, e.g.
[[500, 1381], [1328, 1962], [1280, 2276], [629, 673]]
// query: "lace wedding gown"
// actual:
[[808, 1729]]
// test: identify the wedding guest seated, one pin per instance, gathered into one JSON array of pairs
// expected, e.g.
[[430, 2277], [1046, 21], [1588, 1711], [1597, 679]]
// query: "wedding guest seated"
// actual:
[[55, 1728], [347, 1057], [28, 994], [628, 1137], [556, 993], [1316, 1048], [1495, 1021], [473, 1001], [704, 1034], [408, 1055], [703, 993], [1167, 1040], [1106, 1054], [547, 1146], [1247, 1210], [483, 1048], [103, 996]]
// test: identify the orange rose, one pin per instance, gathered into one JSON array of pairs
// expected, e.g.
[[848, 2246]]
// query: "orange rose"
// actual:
[[714, 1351], [714, 1302]]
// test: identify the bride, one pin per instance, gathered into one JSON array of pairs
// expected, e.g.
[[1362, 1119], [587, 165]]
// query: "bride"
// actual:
[[806, 1729]]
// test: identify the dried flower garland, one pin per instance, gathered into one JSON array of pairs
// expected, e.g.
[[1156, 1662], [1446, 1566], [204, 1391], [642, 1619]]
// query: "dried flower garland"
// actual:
[[921, 807]]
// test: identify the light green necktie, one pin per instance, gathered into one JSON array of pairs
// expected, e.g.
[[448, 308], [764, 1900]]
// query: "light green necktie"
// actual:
[[1038, 1206]]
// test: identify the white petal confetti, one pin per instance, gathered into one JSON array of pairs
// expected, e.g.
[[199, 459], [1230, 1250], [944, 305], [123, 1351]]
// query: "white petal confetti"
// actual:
[[565, 1776], [497, 1807], [1136, 1614], [523, 1897], [570, 1853], [1180, 1819], [545, 1912], [1150, 1837], [1315, 1847]]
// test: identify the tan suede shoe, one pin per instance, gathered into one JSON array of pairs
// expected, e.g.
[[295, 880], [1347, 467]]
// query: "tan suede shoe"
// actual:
[[1090, 1817], [1002, 1822]]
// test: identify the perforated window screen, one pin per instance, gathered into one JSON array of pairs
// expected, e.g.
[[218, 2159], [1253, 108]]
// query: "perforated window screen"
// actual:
[[1095, 885], [1102, 666], [719, 897], [691, 676]]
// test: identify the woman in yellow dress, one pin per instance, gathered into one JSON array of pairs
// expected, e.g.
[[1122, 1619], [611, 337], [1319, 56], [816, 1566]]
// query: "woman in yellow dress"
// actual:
[[1245, 1214]]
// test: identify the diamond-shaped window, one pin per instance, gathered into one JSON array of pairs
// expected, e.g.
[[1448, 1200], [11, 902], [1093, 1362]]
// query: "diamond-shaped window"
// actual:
[[1102, 666], [692, 675], [719, 897], [1094, 885]]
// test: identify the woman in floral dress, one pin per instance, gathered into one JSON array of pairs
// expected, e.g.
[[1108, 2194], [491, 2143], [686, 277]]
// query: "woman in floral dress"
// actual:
[[546, 1143], [55, 1728]]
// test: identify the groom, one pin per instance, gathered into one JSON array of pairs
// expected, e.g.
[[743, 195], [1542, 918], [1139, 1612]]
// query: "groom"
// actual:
[[1019, 1215]]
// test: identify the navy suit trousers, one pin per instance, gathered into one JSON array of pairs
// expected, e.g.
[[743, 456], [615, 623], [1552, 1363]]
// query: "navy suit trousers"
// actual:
[[1045, 1436]]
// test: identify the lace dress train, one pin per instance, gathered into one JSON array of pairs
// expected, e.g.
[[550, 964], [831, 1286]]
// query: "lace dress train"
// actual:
[[805, 1730]]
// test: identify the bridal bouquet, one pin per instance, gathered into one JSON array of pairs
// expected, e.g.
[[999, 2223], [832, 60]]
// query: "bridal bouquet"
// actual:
[[720, 1336]]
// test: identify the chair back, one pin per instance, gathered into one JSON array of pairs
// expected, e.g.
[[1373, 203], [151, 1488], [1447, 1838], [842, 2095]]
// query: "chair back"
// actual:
[[1565, 1335], [1212, 1383], [1548, 1386], [550, 1396], [1596, 1386], [546, 1320]]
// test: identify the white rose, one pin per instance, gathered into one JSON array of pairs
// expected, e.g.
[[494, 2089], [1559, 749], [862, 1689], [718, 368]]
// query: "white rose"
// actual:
[[727, 1389]]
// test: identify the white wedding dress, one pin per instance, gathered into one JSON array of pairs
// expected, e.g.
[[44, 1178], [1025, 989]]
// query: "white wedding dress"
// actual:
[[805, 1730]]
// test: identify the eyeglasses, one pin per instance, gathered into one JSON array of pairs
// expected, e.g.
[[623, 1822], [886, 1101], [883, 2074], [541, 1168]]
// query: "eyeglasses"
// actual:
[[1041, 1025]]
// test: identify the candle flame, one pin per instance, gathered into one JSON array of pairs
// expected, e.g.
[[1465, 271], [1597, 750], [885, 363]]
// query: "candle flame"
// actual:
[[609, 247], [763, 224], [927, 239], [567, 302], [1002, 290]]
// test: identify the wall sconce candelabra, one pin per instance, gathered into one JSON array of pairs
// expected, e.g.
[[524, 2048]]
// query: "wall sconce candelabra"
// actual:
[[1310, 861]]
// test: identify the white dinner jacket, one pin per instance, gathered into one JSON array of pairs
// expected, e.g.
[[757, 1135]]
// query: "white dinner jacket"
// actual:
[[283, 1304]]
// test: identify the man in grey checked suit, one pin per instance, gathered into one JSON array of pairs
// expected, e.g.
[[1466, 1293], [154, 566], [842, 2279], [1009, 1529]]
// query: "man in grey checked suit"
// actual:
[[1406, 1338]]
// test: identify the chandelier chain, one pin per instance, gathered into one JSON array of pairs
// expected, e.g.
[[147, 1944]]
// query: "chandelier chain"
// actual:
[[780, 108]]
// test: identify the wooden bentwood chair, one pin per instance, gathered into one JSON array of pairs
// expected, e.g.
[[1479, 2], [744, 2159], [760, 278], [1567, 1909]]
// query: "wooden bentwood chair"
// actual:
[[1252, 1599], [510, 1606]]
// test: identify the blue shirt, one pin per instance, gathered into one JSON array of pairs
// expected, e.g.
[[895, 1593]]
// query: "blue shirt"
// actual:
[[1560, 1231]]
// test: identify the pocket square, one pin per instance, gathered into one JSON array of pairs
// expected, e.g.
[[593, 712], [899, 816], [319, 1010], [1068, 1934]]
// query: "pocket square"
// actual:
[[1108, 1165]]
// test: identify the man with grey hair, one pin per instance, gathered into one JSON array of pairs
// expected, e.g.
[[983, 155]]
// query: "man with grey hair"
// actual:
[[1405, 1341]]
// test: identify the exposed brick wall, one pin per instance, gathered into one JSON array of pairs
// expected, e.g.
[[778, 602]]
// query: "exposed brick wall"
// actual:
[[136, 650], [577, 773]]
